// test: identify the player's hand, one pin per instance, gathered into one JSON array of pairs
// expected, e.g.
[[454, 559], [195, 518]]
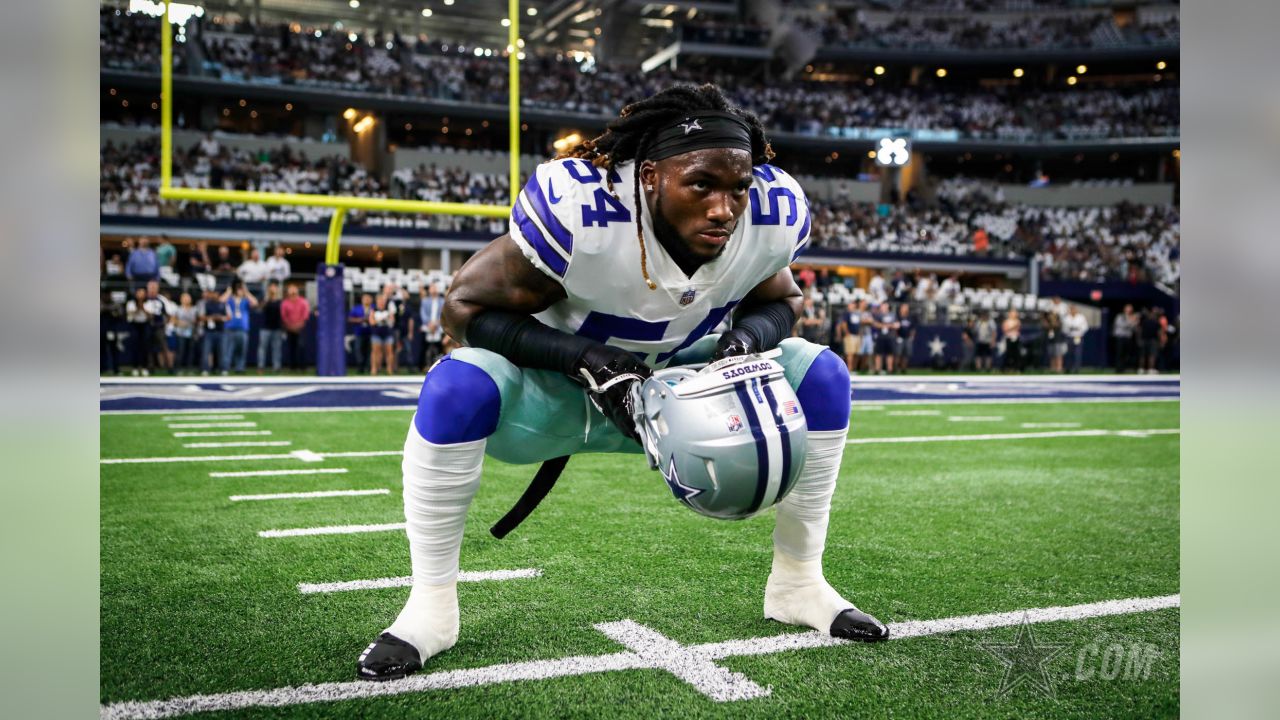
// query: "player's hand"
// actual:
[[608, 373], [733, 343]]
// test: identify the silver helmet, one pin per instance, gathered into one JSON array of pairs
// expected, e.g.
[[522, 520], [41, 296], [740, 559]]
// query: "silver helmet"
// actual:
[[729, 439]]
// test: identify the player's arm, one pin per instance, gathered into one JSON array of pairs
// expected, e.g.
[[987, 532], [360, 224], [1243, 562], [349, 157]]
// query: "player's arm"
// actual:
[[764, 317], [491, 305]]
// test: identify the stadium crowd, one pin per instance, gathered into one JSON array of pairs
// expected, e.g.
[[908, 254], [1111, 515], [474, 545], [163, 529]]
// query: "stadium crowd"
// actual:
[[1125, 242], [910, 32], [415, 68]]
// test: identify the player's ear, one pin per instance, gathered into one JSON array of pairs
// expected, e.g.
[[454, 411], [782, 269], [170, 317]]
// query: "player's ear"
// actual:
[[648, 175]]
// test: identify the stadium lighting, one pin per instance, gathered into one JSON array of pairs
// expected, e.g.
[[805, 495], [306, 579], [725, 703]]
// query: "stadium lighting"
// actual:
[[506, 22], [354, 4], [448, 2], [1017, 72], [1161, 65], [349, 114], [567, 142], [871, 154], [426, 12], [893, 152], [879, 70], [941, 72], [532, 11], [365, 123], [1072, 80], [1082, 69]]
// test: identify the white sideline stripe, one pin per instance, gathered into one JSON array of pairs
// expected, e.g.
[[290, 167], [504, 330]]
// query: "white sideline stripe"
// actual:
[[330, 530], [589, 664], [304, 495], [250, 443], [224, 458], [208, 425], [914, 413], [1015, 436], [686, 663], [976, 418], [216, 416], [272, 473], [1033, 425], [222, 433], [407, 581]]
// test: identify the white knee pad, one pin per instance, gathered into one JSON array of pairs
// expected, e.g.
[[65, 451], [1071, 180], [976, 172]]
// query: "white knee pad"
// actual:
[[439, 483], [801, 529]]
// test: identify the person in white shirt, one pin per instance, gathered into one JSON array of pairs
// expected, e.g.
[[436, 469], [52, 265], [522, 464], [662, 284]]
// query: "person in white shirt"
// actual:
[[253, 272], [277, 266], [876, 289], [1074, 326]]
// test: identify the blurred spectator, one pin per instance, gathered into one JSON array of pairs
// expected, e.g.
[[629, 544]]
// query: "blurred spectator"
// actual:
[[113, 268], [981, 241], [1075, 326], [224, 269], [884, 334], [142, 266], [183, 323], [382, 322], [1151, 332], [198, 258], [166, 253], [235, 331], [431, 305], [110, 316], [277, 266], [1123, 330], [906, 339], [849, 335], [984, 335], [213, 315], [1012, 329], [271, 333], [967, 347], [253, 272], [813, 322], [358, 331], [1055, 338], [876, 288], [135, 313], [294, 313]]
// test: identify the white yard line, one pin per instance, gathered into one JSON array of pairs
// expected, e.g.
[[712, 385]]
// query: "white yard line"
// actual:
[[1014, 436], [914, 413], [1034, 425], [249, 443], [216, 416], [221, 433], [307, 456], [407, 581], [330, 530], [692, 661], [273, 473], [976, 418], [210, 425], [305, 495]]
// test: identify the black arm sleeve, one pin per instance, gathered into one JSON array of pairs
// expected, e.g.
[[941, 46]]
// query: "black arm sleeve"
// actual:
[[526, 342], [767, 324]]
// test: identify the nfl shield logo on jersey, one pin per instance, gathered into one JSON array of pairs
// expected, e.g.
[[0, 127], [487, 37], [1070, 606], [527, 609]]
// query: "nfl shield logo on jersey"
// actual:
[[687, 297]]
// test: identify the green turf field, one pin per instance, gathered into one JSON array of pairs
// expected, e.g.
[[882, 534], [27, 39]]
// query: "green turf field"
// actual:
[[195, 602]]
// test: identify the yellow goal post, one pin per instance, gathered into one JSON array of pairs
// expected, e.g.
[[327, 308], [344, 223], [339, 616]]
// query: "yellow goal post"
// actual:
[[340, 203]]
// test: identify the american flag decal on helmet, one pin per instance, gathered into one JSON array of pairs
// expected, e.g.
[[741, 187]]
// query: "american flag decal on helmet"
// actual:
[[789, 407]]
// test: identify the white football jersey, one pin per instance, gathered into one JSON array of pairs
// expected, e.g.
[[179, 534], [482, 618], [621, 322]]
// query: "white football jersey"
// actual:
[[569, 226]]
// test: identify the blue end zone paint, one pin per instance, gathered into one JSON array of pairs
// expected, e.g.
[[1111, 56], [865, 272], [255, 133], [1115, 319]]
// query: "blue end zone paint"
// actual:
[[202, 394], [459, 403], [824, 393]]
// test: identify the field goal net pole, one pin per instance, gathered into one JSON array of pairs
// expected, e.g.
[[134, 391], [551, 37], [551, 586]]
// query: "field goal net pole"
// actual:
[[330, 305]]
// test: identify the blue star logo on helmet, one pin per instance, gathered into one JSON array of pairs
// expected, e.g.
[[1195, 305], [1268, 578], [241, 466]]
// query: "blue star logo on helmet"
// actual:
[[679, 489]]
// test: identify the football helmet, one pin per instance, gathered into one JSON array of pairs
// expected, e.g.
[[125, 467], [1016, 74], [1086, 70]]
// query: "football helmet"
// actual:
[[729, 438]]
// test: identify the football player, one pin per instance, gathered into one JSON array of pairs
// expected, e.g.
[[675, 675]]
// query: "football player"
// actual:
[[622, 255]]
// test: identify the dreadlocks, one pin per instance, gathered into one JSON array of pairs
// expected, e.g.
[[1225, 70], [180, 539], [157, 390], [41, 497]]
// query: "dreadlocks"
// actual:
[[629, 137]]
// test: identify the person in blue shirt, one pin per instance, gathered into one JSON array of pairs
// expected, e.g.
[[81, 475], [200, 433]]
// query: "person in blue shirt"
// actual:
[[235, 331], [849, 332], [906, 338], [142, 266], [358, 330], [884, 328]]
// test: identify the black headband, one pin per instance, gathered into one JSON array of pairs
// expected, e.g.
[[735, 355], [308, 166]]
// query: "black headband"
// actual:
[[700, 131]]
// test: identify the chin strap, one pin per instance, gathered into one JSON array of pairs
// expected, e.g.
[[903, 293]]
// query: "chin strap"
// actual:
[[546, 477]]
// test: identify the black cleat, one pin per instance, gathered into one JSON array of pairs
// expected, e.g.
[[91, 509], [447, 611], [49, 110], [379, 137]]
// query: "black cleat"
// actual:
[[388, 658], [853, 624]]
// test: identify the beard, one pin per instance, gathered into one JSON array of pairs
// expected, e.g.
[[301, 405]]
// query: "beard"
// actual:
[[670, 240]]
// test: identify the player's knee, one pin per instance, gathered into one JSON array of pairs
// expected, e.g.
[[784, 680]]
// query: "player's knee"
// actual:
[[459, 402], [824, 393]]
